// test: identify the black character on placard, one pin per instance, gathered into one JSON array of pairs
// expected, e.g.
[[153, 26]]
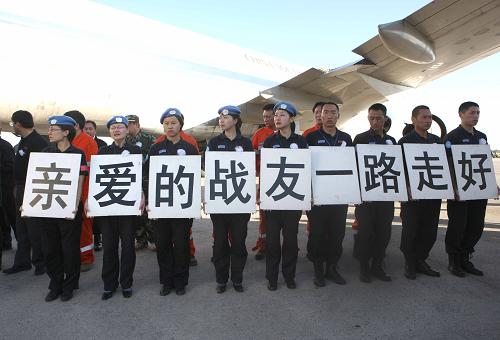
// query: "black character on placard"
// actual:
[[280, 180], [51, 181], [233, 175], [387, 173], [169, 186], [428, 172], [468, 170], [116, 180]]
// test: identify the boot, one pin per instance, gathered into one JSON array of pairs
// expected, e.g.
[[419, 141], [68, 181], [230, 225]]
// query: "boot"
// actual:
[[334, 275], [319, 278], [468, 267], [410, 270], [454, 265], [364, 272], [379, 272]]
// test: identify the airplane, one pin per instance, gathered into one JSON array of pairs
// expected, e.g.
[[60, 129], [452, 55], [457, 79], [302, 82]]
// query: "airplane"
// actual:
[[104, 61]]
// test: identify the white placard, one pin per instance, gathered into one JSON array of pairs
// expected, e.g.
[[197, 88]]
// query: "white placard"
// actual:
[[285, 179], [334, 175], [229, 182], [381, 172], [174, 187], [428, 171], [51, 185], [474, 172], [115, 185]]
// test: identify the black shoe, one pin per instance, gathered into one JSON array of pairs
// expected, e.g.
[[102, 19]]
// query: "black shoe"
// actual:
[[180, 291], [424, 268], [40, 271], [260, 255], [319, 274], [410, 270], [52, 295], [16, 269], [165, 290], [221, 288], [106, 295], [334, 275], [454, 266], [364, 273], [238, 287], [66, 296], [468, 267], [291, 284], [272, 286], [193, 262], [127, 293]]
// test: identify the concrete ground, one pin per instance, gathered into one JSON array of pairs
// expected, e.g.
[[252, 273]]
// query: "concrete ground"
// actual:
[[427, 308]]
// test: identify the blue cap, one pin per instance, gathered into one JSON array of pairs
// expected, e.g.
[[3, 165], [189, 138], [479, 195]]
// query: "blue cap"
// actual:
[[117, 120], [230, 110], [62, 120], [287, 107], [171, 112]]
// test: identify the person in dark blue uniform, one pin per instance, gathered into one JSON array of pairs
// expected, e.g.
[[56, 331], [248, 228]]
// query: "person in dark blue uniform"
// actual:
[[465, 218], [61, 236], [374, 218], [118, 229], [172, 234], [419, 218], [234, 254], [7, 200], [286, 221], [327, 221], [28, 233]]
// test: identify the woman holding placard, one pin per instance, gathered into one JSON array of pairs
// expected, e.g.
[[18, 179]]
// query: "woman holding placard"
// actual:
[[61, 236], [172, 234], [286, 220], [118, 229]]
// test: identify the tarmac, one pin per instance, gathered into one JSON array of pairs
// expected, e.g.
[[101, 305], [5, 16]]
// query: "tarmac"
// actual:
[[427, 308]]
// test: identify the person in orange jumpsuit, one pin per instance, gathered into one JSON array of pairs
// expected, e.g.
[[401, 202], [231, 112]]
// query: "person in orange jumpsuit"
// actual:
[[257, 140], [317, 118], [88, 145], [190, 139]]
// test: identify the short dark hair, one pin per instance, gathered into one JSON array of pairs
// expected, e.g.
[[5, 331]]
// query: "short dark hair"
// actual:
[[71, 129], [91, 122], [78, 117], [268, 107], [317, 104], [331, 103], [416, 110], [378, 107], [465, 106], [24, 118]]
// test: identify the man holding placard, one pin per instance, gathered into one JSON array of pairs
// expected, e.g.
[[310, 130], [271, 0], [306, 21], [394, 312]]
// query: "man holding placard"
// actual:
[[465, 217], [375, 218], [327, 221], [419, 218]]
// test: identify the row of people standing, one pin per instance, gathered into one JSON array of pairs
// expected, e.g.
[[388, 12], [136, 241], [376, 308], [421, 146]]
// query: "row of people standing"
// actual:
[[327, 222]]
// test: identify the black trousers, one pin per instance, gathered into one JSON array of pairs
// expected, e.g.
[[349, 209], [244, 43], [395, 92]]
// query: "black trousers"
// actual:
[[327, 233], [61, 249], [172, 250], [374, 233], [29, 236], [8, 220], [230, 255], [117, 268], [465, 225], [420, 221], [287, 222]]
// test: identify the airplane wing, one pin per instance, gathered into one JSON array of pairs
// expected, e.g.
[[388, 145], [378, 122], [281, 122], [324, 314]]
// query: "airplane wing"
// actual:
[[441, 37]]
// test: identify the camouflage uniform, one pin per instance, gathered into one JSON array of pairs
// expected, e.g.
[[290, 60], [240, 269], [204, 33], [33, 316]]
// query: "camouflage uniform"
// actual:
[[143, 140]]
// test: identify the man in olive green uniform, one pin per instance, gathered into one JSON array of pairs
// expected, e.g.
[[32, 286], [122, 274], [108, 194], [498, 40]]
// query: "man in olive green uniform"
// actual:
[[143, 140]]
